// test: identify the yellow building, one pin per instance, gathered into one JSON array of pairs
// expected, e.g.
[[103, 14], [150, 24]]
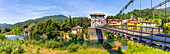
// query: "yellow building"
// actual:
[[133, 24]]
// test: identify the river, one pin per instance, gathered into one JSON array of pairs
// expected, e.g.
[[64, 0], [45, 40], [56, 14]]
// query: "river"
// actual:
[[99, 44]]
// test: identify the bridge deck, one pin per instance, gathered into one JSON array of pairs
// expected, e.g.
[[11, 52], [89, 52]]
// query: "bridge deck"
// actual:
[[157, 38]]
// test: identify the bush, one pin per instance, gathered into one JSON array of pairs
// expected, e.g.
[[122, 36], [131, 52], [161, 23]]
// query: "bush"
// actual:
[[134, 48], [109, 35], [10, 47], [2, 36], [72, 48], [34, 42], [52, 44], [75, 47]]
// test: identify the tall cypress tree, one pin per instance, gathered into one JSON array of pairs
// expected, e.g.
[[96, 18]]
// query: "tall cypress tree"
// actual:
[[70, 22]]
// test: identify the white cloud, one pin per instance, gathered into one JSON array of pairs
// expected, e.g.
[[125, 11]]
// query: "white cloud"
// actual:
[[22, 12]]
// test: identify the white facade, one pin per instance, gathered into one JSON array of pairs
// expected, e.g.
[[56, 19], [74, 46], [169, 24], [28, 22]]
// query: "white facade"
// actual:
[[76, 31], [148, 24], [97, 20]]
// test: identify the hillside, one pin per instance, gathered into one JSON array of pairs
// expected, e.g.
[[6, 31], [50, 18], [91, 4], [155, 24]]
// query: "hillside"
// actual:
[[58, 18], [4, 24], [146, 13]]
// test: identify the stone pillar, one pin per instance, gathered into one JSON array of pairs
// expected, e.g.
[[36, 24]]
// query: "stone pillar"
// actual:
[[92, 33]]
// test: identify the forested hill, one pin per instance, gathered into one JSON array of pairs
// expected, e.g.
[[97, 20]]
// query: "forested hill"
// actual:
[[145, 14], [58, 18]]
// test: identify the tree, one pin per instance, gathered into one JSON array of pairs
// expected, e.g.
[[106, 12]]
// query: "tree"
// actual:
[[53, 34], [74, 23], [70, 22], [40, 27], [2, 36], [25, 26], [31, 28], [55, 26], [80, 21], [0, 30], [83, 22], [65, 27], [47, 23]]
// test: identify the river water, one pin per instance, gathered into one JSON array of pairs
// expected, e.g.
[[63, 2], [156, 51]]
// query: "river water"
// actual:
[[92, 44]]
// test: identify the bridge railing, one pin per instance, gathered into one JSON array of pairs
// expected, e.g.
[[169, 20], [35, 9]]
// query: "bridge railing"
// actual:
[[140, 33]]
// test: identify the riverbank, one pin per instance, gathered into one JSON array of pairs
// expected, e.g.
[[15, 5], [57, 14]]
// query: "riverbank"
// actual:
[[41, 50]]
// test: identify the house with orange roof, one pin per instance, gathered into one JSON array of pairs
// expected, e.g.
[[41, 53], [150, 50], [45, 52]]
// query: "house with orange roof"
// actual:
[[77, 29], [115, 22]]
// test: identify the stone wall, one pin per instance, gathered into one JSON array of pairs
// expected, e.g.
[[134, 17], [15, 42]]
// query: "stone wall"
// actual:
[[95, 34]]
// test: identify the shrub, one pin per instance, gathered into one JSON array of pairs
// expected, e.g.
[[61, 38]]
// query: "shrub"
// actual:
[[2, 36], [10, 47], [75, 47], [52, 44], [34, 42], [72, 48]]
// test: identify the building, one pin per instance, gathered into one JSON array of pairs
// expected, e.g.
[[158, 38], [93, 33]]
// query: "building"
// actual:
[[148, 24], [97, 20], [134, 24], [105, 20], [25, 33], [140, 19], [116, 23], [77, 29], [124, 21]]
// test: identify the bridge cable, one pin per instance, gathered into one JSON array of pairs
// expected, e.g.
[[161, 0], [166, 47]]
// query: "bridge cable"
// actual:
[[151, 29], [140, 8], [165, 22]]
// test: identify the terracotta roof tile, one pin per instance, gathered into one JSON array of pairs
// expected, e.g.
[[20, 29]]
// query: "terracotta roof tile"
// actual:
[[147, 22], [77, 27]]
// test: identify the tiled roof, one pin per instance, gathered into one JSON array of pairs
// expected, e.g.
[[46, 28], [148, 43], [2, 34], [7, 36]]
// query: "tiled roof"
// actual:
[[117, 20], [147, 22], [77, 27]]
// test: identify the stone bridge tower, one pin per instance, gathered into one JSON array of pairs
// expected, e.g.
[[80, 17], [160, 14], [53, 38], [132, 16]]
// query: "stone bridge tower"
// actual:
[[97, 20]]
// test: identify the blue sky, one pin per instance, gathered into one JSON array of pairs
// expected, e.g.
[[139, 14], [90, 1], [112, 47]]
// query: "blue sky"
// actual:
[[13, 11]]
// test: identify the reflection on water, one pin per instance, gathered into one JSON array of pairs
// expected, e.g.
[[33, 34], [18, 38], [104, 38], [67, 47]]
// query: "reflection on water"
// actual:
[[92, 43], [13, 37]]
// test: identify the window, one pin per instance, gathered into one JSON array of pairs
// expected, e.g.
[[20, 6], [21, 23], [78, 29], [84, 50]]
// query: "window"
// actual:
[[117, 21]]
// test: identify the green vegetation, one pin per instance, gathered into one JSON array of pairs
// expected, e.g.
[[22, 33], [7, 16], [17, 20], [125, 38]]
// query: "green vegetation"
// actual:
[[52, 44], [134, 48], [167, 28], [2, 37], [109, 35], [10, 47], [83, 22]]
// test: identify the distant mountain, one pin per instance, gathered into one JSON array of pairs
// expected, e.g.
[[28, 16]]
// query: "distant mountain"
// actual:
[[58, 18], [4, 24]]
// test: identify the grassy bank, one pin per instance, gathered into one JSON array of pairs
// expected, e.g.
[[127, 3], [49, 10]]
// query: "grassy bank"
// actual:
[[136, 48]]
